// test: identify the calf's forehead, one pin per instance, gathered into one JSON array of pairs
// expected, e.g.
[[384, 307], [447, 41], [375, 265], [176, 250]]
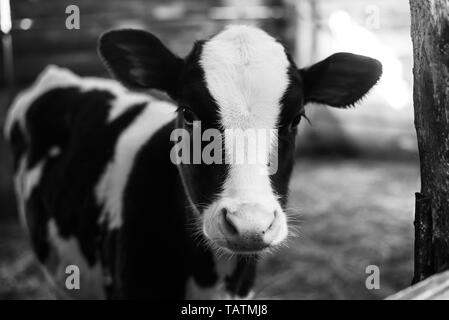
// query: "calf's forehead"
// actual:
[[246, 73]]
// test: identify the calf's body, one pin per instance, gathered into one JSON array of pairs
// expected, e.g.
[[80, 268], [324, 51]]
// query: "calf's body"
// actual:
[[97, 184], [97, 189]]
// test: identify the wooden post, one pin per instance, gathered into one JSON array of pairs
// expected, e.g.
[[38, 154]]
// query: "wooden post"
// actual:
[[423, 238], [430, 37], [307, 32], [8, 63], [5, 28], [435, 287]]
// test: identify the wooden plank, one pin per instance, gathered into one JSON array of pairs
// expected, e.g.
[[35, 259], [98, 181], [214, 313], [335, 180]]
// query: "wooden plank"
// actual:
[[61, 40], [78, 49], [178, 24], [393, 14], [83, 63], [433, 288], [31, 9]]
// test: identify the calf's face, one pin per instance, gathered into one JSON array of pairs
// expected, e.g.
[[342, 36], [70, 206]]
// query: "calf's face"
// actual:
[[241, 90]]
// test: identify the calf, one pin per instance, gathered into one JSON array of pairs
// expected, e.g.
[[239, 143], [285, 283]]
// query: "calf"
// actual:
[[98, 185]]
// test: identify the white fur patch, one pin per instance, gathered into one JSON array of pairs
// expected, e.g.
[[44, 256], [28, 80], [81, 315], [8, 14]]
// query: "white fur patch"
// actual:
[[54, 152], [26, 180], [246, 72], [19, 188], [65, 252], [109, 190], [53, 77], [225, 266], [32, 178]]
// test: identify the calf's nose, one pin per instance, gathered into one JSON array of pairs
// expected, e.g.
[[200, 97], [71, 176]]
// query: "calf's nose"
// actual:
[[249, 227]]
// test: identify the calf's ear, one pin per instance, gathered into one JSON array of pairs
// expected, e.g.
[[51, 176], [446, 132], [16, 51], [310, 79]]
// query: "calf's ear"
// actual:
[[139, 59], [341, 79]]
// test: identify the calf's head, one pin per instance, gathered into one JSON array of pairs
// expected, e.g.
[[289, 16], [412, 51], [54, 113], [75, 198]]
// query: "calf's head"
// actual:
[[239, 83]]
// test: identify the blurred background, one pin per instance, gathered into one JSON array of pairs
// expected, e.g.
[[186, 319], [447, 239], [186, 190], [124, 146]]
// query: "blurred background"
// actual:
[[357, 169]]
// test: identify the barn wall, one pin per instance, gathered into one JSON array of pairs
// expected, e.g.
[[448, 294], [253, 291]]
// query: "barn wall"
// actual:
[[382, 124], [40, 36]]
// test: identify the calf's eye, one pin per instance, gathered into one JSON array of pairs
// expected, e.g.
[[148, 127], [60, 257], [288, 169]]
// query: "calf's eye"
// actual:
[[188, 115], [296, 121]]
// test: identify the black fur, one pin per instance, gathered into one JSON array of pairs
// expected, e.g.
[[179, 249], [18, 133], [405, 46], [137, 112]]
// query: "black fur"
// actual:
[[341, 80]]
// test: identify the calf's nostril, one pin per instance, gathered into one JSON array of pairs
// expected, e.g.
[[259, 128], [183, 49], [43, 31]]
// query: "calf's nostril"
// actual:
[[228, 223], [275, 213], [224, 212]]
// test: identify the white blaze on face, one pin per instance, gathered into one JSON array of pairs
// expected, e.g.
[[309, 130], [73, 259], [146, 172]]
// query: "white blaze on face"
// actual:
[[246, 72]]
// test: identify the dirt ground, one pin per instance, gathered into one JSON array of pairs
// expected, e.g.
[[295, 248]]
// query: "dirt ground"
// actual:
[[352, 213]]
